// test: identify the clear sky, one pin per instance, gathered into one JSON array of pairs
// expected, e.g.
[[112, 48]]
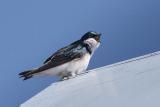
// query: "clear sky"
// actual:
[[31, 30]]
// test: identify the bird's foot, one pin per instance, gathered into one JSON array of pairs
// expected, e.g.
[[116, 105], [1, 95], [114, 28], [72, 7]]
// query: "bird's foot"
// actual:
[[69, 76]]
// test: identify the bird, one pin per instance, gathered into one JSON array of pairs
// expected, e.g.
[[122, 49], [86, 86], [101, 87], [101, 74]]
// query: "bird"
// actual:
[[69, 61]]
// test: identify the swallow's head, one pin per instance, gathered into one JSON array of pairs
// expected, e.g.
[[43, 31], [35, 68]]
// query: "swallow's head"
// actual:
[[92, 39], [91, 35]]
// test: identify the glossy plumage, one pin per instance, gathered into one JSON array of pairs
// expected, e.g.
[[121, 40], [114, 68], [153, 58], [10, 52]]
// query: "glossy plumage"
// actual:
[[68, 60]]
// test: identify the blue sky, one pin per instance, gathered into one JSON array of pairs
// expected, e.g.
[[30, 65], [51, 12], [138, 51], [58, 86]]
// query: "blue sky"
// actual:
[[31, 30]]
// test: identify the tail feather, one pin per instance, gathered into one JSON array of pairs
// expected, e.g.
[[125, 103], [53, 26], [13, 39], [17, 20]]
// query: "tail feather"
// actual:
[[26, 74]]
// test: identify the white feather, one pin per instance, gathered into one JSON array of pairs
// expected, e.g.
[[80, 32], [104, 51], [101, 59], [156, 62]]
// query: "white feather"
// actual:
[[92, 43]]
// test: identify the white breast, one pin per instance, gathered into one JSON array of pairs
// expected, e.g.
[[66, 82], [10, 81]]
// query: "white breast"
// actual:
[[79, 65]]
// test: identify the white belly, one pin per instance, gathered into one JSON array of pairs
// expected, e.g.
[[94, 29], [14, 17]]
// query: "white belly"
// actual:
[[79, 65], [75, 66]]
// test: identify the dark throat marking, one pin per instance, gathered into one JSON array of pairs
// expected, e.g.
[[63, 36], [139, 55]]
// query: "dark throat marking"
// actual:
[[87, 48]]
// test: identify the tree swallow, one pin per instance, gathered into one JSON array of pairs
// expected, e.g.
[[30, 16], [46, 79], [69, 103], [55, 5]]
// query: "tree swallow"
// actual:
[[68, 61]]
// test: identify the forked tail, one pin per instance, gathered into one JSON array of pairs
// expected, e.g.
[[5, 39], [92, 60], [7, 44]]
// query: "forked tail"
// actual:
[[26, 74]]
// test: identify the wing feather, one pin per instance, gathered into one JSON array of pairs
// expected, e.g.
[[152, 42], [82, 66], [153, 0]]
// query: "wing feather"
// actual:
[[64, 55], [61, 52]]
